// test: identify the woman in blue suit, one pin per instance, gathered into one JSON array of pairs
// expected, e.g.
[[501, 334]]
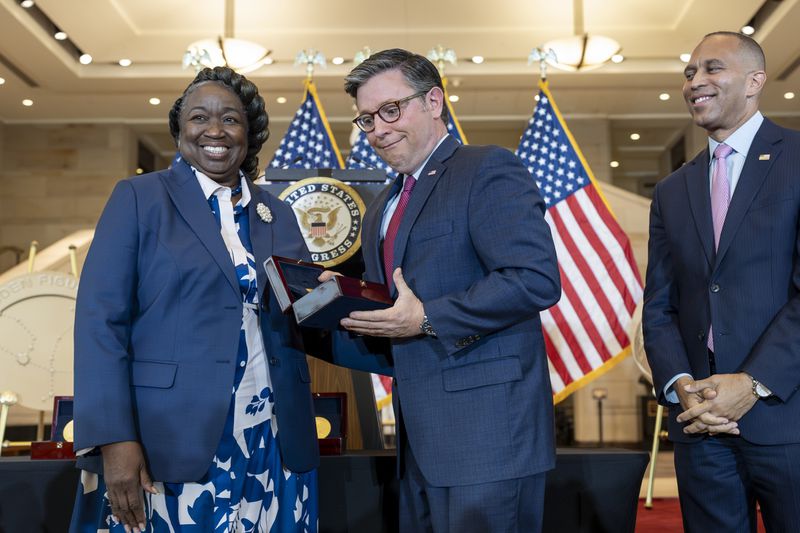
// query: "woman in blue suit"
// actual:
[[192, 397]]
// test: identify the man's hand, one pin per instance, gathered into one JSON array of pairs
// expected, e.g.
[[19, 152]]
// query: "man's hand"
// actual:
[[400, 320], [125, 474], [703, 421], [734, 398]]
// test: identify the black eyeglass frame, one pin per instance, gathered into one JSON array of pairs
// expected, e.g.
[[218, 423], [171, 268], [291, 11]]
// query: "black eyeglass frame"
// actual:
[[359, 118]]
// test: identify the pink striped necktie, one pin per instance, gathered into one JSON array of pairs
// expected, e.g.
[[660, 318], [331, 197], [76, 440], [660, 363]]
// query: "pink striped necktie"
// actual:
[[394, 224], [720, 200]]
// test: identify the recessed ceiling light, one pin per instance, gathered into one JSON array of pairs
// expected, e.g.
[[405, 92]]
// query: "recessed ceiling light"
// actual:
[[125, 62], [635, 136], [337, 60], [788, 95], [663, 97], [85, 59], [686, 57], [748, 30], [454, 98], [617, 58], [614, 164], [281, 99], [536, 97], [477, 59], [154, 101], [139, 170], [26, 4], [269, 61], [2, 81], [27, 102], [60, 36]]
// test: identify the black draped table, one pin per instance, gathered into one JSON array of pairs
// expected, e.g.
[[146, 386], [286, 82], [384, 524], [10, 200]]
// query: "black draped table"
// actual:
[[591, 490]]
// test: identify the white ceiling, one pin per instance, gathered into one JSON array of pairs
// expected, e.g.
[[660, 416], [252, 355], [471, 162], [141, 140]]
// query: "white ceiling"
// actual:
[[496, 96]]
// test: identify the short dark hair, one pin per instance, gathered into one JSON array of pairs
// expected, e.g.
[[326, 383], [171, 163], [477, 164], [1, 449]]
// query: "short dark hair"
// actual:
[[418, 71], [746, 43], [253, 103]]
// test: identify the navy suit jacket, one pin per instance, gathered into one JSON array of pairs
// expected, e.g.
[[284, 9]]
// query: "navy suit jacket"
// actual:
[[476, 401], [157, 328], [748, 289]]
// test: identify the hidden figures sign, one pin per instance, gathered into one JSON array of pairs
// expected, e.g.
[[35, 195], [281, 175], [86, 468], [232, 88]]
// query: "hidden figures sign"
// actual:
[[329, 213]]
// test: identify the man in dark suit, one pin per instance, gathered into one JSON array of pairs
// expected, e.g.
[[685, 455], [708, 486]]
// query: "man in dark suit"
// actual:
[[722, 311], [462, 242]]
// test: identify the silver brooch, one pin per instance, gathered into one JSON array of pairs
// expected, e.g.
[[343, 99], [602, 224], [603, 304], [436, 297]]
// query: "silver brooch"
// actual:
[[264, 212]]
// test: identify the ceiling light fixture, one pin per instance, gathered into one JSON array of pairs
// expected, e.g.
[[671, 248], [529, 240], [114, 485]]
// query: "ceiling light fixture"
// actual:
[[788, 95], [2, 81], [281, 99], [663, 97], [60, 36], [85, 59], [635, 136], [337, 60], [27, 4], [617, 58], [154, 101], [238, 54], [27, 102], [477, 59], [454, 98], [125, 62], [614, 164], [748, 29], [581, 51], [685, 57]]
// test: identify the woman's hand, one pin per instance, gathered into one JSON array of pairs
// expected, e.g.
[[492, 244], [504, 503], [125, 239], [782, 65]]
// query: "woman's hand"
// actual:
[[125, 474]]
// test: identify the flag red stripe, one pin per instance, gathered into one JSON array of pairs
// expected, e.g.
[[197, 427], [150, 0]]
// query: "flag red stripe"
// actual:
[[569, 338], [597, 245], [584, 317], [615, 229], [555, 359], [580, 261]]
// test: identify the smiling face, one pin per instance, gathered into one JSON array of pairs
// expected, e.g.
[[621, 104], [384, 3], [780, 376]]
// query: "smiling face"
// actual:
[[213, 132], [722, 86], [406, 143]]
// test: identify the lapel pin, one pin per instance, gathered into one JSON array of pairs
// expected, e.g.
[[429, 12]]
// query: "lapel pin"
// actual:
[[763, 157], [264, 212], [432, 173]]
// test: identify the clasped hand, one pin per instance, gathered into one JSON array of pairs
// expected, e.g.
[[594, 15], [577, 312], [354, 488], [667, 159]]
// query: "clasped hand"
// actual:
[[715, 404]]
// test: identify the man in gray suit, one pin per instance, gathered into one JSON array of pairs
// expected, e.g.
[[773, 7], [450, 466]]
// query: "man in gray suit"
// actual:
[[722, 300], [462, 242]]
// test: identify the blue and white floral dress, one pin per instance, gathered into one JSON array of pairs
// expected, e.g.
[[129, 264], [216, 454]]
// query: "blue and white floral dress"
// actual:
[[246, 489]]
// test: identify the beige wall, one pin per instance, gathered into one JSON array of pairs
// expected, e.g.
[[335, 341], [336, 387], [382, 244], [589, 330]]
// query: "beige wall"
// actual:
[[55, 179]]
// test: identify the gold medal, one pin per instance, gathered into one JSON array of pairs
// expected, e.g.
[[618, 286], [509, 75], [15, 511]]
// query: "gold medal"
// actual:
[[323, 427], [68, 432]]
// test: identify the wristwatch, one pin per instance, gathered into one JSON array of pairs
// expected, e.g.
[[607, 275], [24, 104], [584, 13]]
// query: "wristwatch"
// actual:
[[426, 328], [760, 391]]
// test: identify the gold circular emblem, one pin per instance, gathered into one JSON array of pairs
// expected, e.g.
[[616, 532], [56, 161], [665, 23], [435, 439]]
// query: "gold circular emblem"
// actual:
[[323, 427], [69, 431], [329, 213]]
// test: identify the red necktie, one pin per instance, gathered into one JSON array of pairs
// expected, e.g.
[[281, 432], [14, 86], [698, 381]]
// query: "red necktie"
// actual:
[[394, 224]]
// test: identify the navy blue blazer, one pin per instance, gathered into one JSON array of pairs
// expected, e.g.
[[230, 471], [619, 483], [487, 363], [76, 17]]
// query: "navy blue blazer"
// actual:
[[157, 328], [476, 401], [748, 289]]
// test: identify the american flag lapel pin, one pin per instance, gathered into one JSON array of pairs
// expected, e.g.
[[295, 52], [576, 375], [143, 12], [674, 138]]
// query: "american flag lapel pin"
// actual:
[[763, 157], [432, 172]]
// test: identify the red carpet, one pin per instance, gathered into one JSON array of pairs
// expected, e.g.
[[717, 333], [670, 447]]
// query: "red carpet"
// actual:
[[665, 517]]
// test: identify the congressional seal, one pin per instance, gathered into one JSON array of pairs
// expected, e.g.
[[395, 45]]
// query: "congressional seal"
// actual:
[[329, 213]]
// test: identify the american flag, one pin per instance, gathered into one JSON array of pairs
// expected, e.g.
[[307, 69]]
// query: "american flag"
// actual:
[[586, 333], [363, 156], [308, 142]]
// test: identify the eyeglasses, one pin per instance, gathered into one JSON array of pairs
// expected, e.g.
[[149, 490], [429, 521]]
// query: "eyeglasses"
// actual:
[[389, 112]]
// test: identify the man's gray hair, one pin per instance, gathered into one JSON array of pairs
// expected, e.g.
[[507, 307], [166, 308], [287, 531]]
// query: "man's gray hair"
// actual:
[[418, 71]]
